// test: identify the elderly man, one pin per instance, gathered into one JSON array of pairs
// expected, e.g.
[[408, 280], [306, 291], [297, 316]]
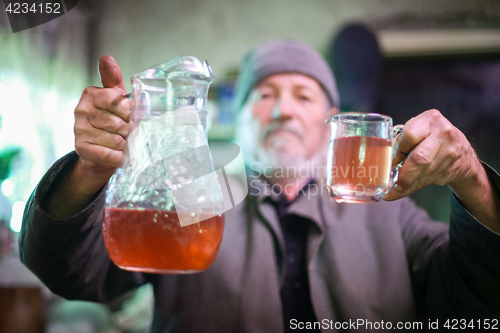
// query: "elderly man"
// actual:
[[288, 260]]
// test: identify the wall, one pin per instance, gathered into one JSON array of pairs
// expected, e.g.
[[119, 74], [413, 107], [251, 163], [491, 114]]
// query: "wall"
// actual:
[[142, 33], [42, 75]]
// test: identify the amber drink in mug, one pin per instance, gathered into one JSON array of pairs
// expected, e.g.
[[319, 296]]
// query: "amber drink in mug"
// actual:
[[360, 154]]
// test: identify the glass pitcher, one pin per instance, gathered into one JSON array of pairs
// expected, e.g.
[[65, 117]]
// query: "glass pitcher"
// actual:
[[163, 209]]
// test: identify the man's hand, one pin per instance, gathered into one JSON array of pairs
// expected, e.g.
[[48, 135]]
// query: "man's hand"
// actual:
[[101, 129], [436, 152], [102, 122]]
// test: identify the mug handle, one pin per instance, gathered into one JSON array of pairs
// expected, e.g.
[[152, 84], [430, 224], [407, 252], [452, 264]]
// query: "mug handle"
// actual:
[[395, 131]]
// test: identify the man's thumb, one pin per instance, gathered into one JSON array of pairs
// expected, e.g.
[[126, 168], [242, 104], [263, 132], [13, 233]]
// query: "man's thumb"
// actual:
[[111, 75]]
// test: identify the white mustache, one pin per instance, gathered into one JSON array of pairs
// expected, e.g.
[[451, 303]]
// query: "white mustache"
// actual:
[[287, 127]]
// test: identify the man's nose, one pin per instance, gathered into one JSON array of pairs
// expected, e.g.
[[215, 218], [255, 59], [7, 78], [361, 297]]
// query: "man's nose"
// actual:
[[283, 108]]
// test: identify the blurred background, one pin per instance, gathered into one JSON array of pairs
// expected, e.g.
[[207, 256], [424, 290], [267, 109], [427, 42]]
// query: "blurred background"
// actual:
[[394, 57]]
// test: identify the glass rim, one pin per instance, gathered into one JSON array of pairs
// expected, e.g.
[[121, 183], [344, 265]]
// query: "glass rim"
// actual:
[[359, 116]]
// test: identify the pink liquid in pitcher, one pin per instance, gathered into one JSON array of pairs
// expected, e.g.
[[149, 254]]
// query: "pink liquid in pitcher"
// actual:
[[153, 241]]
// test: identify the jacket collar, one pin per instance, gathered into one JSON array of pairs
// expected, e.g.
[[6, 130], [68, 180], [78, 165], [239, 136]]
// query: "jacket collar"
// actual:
[[310, 204]]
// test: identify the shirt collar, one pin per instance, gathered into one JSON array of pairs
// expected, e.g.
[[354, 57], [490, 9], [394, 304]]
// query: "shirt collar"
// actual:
[[306, 204]]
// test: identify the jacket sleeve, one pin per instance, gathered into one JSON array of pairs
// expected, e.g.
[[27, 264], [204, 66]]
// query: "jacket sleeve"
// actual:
[[455, 271], [69, 256]]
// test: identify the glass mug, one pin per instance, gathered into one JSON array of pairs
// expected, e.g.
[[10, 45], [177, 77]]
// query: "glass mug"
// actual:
[[360, 154]]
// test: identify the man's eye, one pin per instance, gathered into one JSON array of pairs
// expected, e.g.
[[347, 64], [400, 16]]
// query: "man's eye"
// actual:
[[265, 96], [304, 98]]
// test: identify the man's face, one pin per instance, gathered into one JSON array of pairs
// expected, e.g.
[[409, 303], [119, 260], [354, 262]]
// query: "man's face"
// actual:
[[288, 113]]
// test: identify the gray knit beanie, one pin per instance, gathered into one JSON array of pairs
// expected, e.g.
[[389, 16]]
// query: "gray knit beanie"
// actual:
[[283, 56]]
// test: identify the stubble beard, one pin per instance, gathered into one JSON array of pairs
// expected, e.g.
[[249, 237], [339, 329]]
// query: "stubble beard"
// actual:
[[287, 166], [278, 157]]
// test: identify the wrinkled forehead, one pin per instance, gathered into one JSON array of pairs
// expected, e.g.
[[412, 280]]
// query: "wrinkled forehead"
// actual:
[[290, 80], [294, 82]]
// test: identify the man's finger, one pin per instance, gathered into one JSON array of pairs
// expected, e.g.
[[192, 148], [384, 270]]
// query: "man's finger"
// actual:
[[414, 132], [109, 140], [112, 101], [398, 158], [421, 161], [100, 156], [110, 123], [111, 75]]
